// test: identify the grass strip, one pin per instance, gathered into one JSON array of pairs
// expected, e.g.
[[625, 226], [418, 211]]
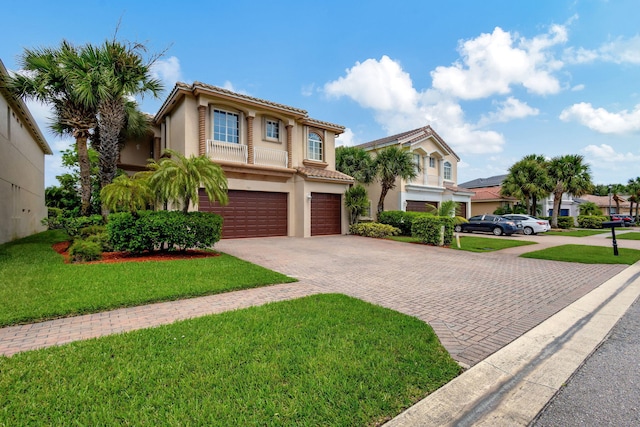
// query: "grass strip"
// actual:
[[473, 244], [575, 233], [586, 254], [319, 360], [37, 285], [632, 235]]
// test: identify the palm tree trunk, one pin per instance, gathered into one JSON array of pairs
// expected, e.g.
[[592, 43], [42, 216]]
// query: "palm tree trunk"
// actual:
[[111, 121], [557, 198], [383, 194], [85, 174]]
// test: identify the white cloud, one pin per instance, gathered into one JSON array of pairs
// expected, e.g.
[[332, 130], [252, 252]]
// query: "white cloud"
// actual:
[[509, 109], [167, 70], [308, 90], [577, 88], [606, 153], [380, 85], [618, 51], [492, 63], [601, 120], [346, 139]]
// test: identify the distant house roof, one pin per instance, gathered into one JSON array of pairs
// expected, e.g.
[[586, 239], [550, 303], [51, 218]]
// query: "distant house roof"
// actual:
[[603, 201], [492, 181], [408, 137], [489, 194], [19, 107]]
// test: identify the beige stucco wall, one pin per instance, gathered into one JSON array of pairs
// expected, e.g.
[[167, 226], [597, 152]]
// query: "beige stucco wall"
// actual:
[[480, 208], [22, 205]]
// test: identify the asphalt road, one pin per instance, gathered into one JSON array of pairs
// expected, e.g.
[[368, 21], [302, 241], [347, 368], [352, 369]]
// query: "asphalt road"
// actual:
[[605, 391]]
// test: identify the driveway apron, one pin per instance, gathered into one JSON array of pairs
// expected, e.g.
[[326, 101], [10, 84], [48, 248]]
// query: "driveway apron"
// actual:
[[476, 302]]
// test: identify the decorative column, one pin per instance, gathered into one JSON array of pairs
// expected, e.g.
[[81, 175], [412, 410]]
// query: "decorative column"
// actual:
[[250, 139], [425, 170], [289, 141], [202, 140], [156, 148], [440, 172]]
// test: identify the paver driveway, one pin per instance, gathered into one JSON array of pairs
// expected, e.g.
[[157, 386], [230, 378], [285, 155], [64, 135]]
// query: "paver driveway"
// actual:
[[476, 302]]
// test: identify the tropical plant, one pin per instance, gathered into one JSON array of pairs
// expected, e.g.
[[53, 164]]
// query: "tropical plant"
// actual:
[[633, 188], [528, 181], [393, 163], [177, 178], [571, 175], [357, 163], [49, 77], [589, 208], [356, 201], [127, 194], [447, 208]]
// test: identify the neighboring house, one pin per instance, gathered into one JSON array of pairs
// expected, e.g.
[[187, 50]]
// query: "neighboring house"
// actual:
[[22, 151], [568, 205], [279, 162], [436, 180], [606, 204]]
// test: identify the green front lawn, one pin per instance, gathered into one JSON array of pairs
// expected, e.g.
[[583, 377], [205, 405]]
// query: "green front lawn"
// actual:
[[37, 285], [321, 360], [632, 235], [575, 233], [586, 254], [473, 244]]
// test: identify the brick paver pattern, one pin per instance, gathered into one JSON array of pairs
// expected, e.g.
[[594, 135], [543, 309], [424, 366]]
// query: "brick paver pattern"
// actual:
[[475, 302]]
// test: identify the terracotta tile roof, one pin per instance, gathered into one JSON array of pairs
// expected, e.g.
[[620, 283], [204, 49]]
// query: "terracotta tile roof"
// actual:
[[408, 137], [603, 201], [458, 189], [488, 194], [324, 174]]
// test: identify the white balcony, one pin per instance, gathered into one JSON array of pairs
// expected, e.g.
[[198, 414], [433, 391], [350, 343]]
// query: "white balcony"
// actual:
[[427, 180], [231, 152]]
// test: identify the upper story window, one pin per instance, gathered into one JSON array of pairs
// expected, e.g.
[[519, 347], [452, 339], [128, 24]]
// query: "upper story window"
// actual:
[[447, 171], [226, 126], [416, 162], [314, 146], [272, 129], [432, 162]]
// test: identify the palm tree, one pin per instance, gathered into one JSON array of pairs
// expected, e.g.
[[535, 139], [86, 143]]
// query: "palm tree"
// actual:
[[127, 194], [357, 163], [177, 178], [589, 208], [571, 175], [633, 188], [49, 77], [357, 202], [528, 181], [449, 208], [393, 163]]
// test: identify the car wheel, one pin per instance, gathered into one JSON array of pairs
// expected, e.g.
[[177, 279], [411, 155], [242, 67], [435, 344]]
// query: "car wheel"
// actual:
[[528, 231], [497, 231], [458, 228]]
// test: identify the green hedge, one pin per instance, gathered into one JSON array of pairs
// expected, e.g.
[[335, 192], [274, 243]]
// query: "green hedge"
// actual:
[[428, 228], [566, 222], [373, 229], [591, 221], [153, 230], [85, 250], [400, 219]]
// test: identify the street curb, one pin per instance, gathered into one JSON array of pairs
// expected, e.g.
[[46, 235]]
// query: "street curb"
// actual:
[[510, 387]]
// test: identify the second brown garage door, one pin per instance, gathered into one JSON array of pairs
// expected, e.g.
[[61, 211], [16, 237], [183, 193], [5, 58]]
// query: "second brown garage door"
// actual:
[[250, 213], [419, 206], [326, 214]]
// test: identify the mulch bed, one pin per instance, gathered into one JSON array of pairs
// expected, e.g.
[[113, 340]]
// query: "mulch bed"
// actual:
[[116, 257]]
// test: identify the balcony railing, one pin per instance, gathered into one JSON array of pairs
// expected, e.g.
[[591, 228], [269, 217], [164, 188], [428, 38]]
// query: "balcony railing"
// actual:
[[431, 180], [238, 153]]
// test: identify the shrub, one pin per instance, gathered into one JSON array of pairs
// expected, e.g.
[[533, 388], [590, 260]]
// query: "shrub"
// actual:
[[566, 222], [54, 218], [91, 230], [374, 229], [591, 221], [428, 229], [85, 250], [151, 230], [102, 239], [399, 219], [73, 225]]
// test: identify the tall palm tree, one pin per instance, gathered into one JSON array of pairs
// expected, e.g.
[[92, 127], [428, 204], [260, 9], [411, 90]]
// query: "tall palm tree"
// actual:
[[357, 163], [177, 178], [528, 181], [393, 163], [570, 174], [49, 77]]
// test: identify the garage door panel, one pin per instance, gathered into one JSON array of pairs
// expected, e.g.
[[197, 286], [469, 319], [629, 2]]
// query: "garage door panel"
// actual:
[[326, 214], [250, 213]]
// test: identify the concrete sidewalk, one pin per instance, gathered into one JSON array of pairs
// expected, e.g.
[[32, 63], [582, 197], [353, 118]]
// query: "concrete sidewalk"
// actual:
[[510, 387]]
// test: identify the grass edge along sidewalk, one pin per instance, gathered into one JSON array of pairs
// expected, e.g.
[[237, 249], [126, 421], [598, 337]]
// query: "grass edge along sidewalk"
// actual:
[[321, 360], [586, 254], [37, 285]]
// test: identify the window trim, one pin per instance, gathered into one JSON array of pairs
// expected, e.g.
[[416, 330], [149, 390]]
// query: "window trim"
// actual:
[[446, 167], [432, 162], [238, 116], [265, 129], [320, 148]]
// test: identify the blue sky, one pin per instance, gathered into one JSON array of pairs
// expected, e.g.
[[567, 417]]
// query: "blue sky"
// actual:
[[497, 79]]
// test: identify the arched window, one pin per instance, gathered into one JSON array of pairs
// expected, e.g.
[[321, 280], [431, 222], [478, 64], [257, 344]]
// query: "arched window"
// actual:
[[314, 146], [447, 170]]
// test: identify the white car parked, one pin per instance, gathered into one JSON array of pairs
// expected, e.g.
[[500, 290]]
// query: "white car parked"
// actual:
[[531, 224]]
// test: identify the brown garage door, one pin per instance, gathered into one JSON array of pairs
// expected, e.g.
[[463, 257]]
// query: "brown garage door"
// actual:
[[326, 214], [250, 213], [419, 206], [462, 210]]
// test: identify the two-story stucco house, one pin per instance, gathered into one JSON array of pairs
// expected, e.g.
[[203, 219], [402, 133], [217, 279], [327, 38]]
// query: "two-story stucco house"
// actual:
[[279, 162], [436, 181], [22, 151]]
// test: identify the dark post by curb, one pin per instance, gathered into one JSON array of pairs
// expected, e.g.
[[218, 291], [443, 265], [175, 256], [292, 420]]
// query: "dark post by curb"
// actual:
[[612, 225]]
